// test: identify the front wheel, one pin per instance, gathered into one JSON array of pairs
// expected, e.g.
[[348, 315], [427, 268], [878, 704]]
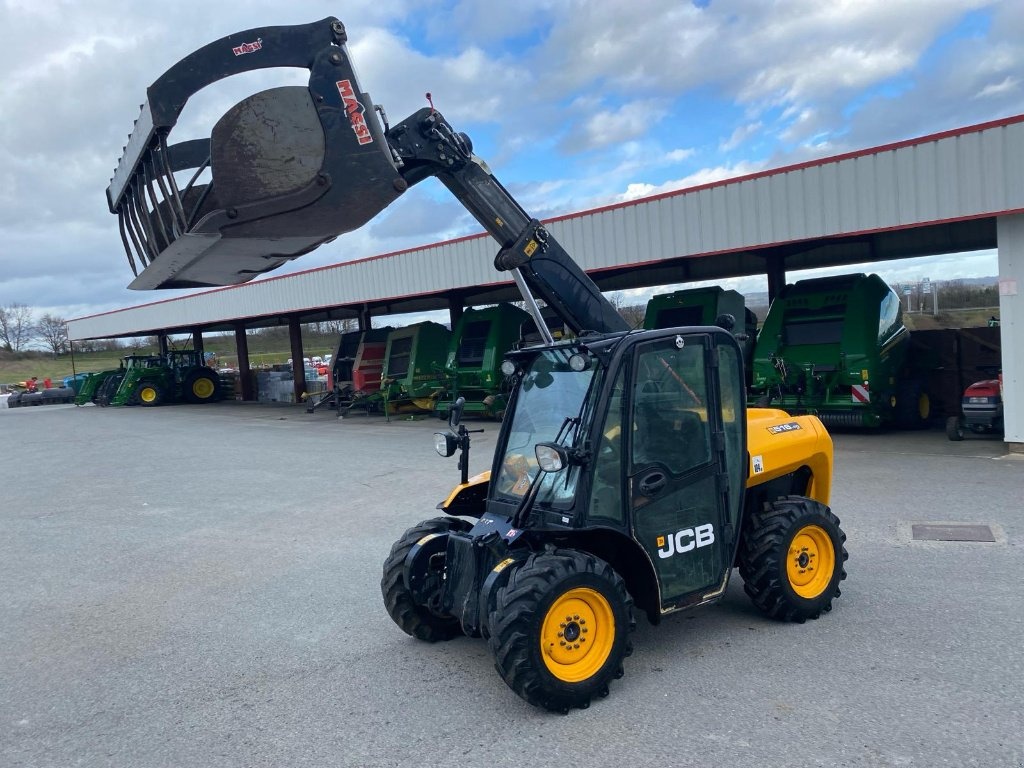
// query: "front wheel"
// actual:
[[420, 614], [560, 629], [954, 429], [148, 394], [792, 558]]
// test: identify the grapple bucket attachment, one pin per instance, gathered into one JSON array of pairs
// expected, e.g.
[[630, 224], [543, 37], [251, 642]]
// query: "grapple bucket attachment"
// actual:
[[290, 168]]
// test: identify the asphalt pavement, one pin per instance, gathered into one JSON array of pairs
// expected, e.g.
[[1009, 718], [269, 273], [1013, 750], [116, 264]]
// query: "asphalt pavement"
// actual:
[[200, 586]]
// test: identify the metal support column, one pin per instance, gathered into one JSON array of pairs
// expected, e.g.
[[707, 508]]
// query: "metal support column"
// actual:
[[365, 319], [775, 268], [1010, 245], [197, 342], [161, 339], [244, 372], [298, 368], [455, 310]]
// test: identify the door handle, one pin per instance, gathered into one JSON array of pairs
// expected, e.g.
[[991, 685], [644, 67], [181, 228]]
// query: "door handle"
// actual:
[[653, 483]]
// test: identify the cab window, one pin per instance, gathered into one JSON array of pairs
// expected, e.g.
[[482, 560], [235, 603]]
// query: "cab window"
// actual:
[[670, 418]]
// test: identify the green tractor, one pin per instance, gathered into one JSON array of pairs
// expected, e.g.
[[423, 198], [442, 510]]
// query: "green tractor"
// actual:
[[473, 371], [837, 347], [150, 380], [100, 388]]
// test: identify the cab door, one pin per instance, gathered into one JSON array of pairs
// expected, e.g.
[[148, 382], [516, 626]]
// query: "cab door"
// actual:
[[683, 503]]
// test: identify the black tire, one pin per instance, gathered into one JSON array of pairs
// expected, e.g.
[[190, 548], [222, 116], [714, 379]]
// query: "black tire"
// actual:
[[148, 394], [201, 386], [913, 406], [775, 572], [954, 429], [424, 621], [526, 623]]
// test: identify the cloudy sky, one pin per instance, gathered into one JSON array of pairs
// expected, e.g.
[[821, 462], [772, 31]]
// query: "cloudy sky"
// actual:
[[574, 103]]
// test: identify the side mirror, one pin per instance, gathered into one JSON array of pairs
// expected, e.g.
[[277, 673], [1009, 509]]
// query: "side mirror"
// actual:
[[455, 414], [551, 457]]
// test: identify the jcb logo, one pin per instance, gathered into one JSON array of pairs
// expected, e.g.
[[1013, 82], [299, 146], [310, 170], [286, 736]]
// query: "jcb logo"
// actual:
[[686, 540]]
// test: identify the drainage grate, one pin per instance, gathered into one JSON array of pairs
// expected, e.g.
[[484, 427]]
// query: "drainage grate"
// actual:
[[951, 532]]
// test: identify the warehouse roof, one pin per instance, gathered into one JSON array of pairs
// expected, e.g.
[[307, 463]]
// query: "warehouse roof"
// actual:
[[934, 194]]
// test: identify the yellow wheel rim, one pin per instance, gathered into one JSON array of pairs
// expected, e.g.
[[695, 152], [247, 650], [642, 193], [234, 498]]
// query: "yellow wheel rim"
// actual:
[[147, 394], [202, 388], [578, 634], [924, 405], [811, 561]]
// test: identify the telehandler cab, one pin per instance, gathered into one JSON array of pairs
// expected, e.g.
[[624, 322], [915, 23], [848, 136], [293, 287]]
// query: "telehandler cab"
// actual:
[[628, 473]]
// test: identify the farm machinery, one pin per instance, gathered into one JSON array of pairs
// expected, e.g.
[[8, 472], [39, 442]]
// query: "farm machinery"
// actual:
[[837, 347], [628, 473], [29, 393], [981, 410], [355, 369], [705, 306], [472, 371], [150, 380], [413, 360]]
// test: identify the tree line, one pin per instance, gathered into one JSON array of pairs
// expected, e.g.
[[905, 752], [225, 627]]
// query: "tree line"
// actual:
[[20, 330]]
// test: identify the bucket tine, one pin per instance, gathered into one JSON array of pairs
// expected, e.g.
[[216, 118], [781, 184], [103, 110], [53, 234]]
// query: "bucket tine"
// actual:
[[142, 214], [124, 240], [168, 169], [133, 216], [156, 216]]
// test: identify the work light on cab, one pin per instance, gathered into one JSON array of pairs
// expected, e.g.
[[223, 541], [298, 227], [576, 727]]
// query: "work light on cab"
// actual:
[[445, 443]]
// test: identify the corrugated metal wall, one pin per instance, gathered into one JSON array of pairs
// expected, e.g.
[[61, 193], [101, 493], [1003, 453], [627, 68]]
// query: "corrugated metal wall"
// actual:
[[973, 172]]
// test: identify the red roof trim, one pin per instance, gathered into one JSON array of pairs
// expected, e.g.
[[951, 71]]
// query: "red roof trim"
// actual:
[[977, 128]]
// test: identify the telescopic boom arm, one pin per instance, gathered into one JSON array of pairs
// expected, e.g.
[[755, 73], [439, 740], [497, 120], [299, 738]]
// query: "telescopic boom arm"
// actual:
[[427, 145]]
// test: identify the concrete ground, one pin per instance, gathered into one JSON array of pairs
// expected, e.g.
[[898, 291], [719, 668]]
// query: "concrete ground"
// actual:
[[199, 586]]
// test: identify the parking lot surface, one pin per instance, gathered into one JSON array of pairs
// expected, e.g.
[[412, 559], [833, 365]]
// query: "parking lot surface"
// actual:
[[199, 586]]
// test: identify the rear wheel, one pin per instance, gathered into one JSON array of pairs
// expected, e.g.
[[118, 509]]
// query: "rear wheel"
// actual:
[[954, 428], [148, 394], [560, 629], [792, 558], [420, 614], [913, 406], [201, 387]]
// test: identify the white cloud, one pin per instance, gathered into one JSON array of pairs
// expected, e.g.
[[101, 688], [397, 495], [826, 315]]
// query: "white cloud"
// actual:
[[609, 127], [1007, 84], [678, 155], [740, 135], [704, 176]]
